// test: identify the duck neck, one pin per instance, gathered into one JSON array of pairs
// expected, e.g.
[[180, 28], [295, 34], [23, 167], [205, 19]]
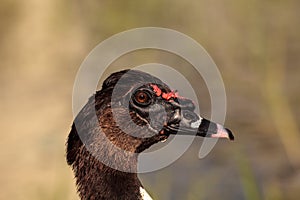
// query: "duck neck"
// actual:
[[98, 181]]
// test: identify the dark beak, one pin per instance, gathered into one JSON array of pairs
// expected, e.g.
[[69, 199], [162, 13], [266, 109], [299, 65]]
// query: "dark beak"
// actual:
[[189, 123]]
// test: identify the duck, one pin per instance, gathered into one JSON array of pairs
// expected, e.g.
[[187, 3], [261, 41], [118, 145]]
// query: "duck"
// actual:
[[133, 111]]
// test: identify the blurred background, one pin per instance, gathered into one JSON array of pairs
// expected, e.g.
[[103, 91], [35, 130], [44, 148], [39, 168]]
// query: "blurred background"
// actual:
[[255, 44]]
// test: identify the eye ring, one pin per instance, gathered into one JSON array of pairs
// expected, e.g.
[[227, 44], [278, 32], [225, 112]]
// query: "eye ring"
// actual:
[[142, 98]]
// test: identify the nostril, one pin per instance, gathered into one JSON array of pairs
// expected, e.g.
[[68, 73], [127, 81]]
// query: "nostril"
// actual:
[[175, 117], [190, 115]]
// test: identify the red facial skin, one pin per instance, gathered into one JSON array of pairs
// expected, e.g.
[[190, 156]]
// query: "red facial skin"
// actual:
[[166, 96]]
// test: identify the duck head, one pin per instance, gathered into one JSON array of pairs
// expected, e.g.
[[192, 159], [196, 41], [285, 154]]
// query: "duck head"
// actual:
[[136, 110], [131, 112]]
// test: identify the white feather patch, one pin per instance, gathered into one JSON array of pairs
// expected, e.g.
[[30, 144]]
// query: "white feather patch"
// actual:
[[144, 194]]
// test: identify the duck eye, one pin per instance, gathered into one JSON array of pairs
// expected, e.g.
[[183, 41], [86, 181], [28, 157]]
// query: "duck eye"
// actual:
[[142, 98]]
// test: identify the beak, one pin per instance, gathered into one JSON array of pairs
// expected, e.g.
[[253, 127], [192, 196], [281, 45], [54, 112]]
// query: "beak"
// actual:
[[192, 124], [213, 130]]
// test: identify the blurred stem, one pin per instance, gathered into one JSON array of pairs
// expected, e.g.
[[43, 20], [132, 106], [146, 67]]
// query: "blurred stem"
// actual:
[[195, 190], [247, 177], [277, 101]]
